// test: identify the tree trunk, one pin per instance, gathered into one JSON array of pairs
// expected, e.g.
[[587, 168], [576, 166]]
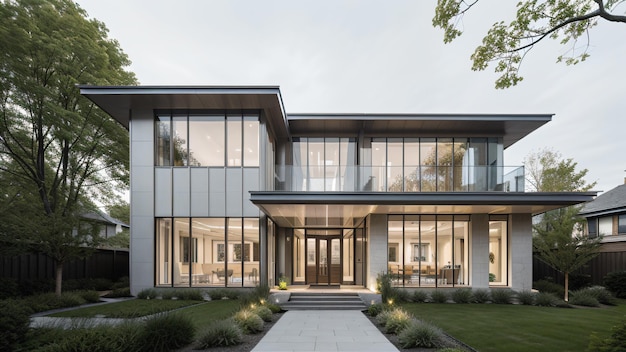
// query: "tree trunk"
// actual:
[[566, 286], [58, 278]]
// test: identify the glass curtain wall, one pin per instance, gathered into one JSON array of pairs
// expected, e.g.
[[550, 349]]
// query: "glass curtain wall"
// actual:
[[206, 252], [207, 139], [323, 164], [428, 250]]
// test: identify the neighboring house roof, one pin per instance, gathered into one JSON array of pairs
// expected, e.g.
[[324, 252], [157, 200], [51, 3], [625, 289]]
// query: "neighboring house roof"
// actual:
[[611, 202], [105, 218]]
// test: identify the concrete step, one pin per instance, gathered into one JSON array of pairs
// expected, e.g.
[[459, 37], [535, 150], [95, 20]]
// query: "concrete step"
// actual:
[[324, 301]]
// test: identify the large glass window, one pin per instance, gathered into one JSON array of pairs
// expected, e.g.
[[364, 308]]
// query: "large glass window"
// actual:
[[323, 164], [207, 139], [411, 164], [621, 225], [211, 255], [498, 251], [428, 250], [428, 164]]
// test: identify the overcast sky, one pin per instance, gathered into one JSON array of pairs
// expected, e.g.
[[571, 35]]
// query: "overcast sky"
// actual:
[[381, 56]]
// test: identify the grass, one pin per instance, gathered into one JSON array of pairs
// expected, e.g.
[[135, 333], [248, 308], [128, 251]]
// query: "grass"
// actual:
[[204, 314], [126, 309], [491, 327]]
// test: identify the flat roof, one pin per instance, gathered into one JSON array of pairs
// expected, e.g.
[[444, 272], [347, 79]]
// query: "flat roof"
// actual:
[[511, 127], [119, 101], [345, 209]]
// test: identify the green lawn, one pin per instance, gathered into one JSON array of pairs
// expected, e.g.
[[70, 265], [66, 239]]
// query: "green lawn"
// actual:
[[494, 327], [201, 313], [126, 309]]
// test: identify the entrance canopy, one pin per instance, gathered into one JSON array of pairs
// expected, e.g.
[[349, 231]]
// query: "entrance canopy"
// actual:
[[342, 209]]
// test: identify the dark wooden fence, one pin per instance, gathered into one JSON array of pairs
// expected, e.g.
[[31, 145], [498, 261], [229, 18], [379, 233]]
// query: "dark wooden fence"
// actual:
[[103, 263], [596, 269]]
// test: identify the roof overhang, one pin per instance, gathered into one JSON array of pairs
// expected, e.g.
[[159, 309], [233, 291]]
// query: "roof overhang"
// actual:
[[511, 127], [341, 209], [119, 101]]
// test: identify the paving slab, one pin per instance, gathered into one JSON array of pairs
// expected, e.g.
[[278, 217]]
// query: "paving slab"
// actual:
[[324, 330]]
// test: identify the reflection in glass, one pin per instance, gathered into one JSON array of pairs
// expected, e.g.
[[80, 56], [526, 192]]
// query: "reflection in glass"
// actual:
[[233, 125], [163, 125], [251, 141], [428, 164], [179, 130], [206, 140]]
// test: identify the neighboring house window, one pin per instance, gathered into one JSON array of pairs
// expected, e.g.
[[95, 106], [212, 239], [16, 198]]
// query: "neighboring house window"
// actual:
[[592, 227], [605, 226], [621, 227]]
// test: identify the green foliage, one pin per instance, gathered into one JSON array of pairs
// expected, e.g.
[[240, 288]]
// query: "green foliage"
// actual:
[[94, 284], [481, 295], [148, 293], [420, 296], [506, 44], [439, 297], [248, 321], [526, 298], [462, 295], [263, 312], [501, 296], [282, 283], [49, 301], [603, 295], [119, 292], [374, 309], [9, 288], [397, 321], [548, 287], [420, 334], [275, 308], [222, 293], [220, 334], [119, 240], [383, 316], [492, 277], [124, 338], [14, 323], [183, 294], [59, 151], [119, 210], [584, 298], [89, 296], [166, 332], [616, 283], [546, 299], [121, 283], [615, 343]]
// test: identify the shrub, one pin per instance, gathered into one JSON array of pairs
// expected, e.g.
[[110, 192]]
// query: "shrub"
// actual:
[[220, 334], [384, 287], [584, 298], [263, 312], [502, 296], [579, 281], [262, 292], [545, 299], [381, 318], [282, 283], [89, 296], [124, 337], [462, 295], [419, 334], [248, 321], [8, 288], [439, 297], [217, 294], [449, 349], [14, 323], [165, 332], [71, 299], [119, 292], [397, 321], [122, 282], [375, 309], [549, 287], [616, 342], [275, 308], [616, 283], [401, 295], [481, 296], [186, 295], [603, 295], [148, 293], [526, 298], [420, 296]]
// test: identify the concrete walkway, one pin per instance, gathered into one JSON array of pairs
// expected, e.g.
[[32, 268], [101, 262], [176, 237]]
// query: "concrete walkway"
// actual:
[[324, 330]]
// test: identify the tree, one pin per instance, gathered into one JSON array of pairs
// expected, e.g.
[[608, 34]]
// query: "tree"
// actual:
[[558, 238], [60, 149], [120, 210], [507, 44]]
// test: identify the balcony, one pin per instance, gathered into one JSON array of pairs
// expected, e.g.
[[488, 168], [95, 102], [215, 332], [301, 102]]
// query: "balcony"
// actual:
[[423, 178]]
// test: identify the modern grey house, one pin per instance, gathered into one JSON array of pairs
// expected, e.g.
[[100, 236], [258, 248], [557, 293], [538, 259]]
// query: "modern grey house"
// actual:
[[229, 190]]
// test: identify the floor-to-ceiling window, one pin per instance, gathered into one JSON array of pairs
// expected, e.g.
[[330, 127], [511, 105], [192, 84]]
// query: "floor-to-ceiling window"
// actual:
[[428, 250], [323, 164], [207, 252], [498, 250]]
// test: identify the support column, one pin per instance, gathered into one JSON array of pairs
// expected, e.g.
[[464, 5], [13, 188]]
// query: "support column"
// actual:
[[479, 239], [376, 248], [521, 252]]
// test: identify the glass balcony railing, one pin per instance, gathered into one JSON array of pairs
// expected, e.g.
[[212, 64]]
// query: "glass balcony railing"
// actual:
[[424, 178]]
